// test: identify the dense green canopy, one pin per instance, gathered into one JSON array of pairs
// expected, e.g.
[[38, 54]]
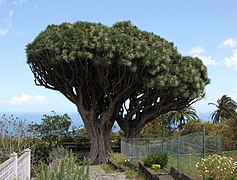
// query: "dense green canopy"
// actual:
[[123, 44]]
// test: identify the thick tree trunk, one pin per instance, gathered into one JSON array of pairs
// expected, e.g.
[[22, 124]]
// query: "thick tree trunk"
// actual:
[[99, 126], [100, 141]]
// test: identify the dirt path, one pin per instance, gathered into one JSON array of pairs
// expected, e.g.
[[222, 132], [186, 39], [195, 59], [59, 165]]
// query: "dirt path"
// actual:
[[97, 173]]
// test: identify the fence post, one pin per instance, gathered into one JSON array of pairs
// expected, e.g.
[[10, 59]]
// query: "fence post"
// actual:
[[14, 156], [178, 152], [203, 142], [28, 162]]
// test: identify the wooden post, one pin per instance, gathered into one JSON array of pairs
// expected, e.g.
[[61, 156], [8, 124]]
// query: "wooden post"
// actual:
[[14, 156], [28, 162]]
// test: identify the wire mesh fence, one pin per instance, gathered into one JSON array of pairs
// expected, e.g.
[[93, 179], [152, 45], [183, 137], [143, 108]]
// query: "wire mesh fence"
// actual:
[[185, 150]]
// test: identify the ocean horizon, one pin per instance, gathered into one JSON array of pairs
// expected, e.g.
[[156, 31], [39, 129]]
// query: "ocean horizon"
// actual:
[[36, 117]]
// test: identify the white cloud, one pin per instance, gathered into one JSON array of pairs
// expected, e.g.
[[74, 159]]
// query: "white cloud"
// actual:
[[232, 60], [25, 99], [198, 52], [230, 43], [207, 60]]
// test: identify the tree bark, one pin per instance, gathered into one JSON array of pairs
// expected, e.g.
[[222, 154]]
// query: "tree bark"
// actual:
[[100, 145], [99, 130], [100, 141]]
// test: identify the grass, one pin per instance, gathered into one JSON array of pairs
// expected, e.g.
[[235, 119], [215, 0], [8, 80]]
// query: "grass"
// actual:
[[108, 169], [186, 164], [232, 154], [131, 175]]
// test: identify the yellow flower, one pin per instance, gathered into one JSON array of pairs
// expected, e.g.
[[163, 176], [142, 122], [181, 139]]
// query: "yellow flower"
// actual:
[[155, 166]]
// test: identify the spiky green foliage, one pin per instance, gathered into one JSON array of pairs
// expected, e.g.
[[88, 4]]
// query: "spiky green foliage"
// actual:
[[182, 116], [226, 108], [123, 44], [66, 169]]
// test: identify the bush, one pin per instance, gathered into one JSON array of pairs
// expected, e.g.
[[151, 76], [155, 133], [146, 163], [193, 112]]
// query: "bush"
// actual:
[[13, 136], [156, 158], [65, 169], [118, 158], [53, 128], [217, 167]]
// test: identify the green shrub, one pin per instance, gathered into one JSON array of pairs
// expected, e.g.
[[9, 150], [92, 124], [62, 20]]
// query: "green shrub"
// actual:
[[14, 136], [53, 128], [156, 158], [118, 158], [217, 167], [40, 151], [66, 169], [107, 168], [57, 153]]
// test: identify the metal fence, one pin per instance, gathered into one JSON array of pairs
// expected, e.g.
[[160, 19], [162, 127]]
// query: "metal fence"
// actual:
[[191, 146], [16, 168]]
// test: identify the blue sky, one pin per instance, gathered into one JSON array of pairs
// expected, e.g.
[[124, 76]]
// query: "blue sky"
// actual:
[[206, 29]]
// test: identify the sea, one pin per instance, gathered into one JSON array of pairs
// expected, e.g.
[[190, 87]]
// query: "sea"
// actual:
[[36, 117]]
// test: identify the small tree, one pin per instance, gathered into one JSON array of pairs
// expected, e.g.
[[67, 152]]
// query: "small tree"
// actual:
[[228, 128], [181, 117], [53, 127], [197, 126], [14, 136], [226, 108], [160, 127]]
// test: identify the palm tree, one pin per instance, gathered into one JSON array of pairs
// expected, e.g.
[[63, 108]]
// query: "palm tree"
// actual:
[[226, 108], [179, 118]]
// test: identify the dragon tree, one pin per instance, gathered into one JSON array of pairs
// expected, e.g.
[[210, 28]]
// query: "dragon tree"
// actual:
[[118, 73]]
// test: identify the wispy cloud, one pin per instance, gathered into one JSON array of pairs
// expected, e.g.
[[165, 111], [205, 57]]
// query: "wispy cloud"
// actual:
[[207, 60], [6, 29], [25, 99], [20, 2], [12, 2], [2, 3], [196, 50], [229, 43], [3, 31], [232, 60], [199, 52]]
